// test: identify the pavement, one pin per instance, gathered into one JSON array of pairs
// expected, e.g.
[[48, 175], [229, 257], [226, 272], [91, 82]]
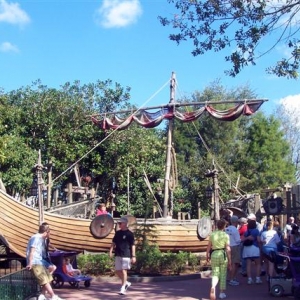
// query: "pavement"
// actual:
[[185, 287]]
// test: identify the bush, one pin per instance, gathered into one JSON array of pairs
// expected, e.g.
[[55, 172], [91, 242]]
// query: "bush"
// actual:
[[149, 261], [96, 264]]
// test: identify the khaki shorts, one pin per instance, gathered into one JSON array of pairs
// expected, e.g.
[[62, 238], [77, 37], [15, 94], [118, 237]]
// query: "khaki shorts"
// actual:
[[122, 263], [235, 254], [41, 274]]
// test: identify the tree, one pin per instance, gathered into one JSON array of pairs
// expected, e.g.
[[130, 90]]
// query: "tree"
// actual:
[[290, 124], [240, 25], [265, 158], [56, 122]]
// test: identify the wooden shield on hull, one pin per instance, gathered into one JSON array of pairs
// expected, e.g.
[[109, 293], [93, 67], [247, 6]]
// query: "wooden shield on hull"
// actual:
[[102, 226], [204, 227]]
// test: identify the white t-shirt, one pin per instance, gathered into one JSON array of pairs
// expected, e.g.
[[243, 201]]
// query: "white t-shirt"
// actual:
[[270, 238]]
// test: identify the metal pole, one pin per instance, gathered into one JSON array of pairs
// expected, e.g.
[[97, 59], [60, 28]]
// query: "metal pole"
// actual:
[[169, 149]]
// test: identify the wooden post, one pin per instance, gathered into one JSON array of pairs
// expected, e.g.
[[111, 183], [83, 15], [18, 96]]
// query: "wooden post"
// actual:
[[288, 204], [216, 196], [70, 192], [49, 186]]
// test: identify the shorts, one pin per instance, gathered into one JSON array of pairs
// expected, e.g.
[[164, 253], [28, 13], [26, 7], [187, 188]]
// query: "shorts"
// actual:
[[41, 274], [251, 252], [122, 263], [46, 263], [235, 254]]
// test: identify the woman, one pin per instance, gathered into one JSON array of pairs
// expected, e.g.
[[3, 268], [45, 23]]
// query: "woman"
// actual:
[[251, 251], [218, 251], [270, 240]]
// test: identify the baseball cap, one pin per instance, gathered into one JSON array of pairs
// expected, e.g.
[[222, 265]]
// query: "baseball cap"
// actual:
[[234, 219], [123, 220], [251, 217]]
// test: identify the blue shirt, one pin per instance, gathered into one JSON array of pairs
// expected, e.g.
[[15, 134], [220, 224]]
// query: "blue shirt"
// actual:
[[253, 232], [37, 242]]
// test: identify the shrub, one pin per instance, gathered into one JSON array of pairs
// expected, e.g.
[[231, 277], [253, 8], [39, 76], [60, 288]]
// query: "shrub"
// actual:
[[96, 264]]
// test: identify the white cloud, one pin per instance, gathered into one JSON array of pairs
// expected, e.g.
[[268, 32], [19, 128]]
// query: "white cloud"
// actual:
[[8, 47], [291, 106], [291, 103], [118, 13], [12, 13]]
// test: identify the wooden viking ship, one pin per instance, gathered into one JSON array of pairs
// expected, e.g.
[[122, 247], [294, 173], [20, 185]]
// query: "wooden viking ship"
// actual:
[[18, 221]]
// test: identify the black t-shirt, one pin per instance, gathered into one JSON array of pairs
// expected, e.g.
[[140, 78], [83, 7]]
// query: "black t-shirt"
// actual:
[[123, 239]]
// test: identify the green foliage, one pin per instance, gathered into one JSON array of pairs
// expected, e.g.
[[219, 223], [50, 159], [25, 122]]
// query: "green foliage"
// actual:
[[240, 25], [95, 264], [148, 261]]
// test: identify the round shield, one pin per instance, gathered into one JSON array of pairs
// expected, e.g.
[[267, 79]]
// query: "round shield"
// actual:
[[204, 227], [132, 223], [101, 226]]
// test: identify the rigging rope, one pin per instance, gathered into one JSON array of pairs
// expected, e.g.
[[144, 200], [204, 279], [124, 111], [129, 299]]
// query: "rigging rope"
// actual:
[[210, 152], [97, 145]]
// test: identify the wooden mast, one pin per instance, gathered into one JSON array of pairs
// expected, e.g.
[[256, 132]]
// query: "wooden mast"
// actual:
[[40, 182], [169, 150]]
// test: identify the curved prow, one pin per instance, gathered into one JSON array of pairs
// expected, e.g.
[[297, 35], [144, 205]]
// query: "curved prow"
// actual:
[[12, 248]]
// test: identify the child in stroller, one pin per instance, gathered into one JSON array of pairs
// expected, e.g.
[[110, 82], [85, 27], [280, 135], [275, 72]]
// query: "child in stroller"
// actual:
[[62, 275]]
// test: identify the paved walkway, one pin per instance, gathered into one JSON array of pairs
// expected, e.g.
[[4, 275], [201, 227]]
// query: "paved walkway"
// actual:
[[192, 287]]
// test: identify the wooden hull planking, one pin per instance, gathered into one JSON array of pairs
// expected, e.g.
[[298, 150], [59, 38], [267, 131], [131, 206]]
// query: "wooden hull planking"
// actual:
[[19, 222]]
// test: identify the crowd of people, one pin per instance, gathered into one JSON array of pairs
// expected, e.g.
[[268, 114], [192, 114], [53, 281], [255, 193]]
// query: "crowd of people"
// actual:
[[244, 243]]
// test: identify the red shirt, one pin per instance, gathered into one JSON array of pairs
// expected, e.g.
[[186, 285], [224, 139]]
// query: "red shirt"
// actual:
[[243, 229]]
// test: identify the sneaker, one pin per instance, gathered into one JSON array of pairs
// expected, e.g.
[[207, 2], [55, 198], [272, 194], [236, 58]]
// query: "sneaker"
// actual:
[[122, 290], [250, 281], [233, 282], [258, 280], [222, 296], [42, 297], [127, 285]]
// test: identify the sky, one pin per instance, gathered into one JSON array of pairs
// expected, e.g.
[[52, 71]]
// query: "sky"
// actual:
[[59, 41]]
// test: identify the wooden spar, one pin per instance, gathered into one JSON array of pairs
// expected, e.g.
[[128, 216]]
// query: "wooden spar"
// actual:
[[176, 104], [169, 149]]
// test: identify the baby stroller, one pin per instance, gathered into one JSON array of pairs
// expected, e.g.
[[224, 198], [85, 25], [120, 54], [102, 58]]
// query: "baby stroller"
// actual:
[[287, 282], [60, 277]]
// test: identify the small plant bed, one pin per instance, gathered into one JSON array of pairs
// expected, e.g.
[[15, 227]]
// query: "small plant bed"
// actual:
[[150, 262]]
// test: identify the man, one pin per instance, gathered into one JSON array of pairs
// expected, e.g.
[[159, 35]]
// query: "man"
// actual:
[[287, 231], [38, 265], [123, 243], [234, 242]]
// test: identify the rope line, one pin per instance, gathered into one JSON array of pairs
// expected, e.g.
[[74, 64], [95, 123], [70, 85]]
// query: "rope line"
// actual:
[[112, 132]]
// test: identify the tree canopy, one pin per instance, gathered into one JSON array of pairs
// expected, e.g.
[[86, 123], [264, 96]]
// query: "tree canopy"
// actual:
[[57, 122], [242, 26]]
